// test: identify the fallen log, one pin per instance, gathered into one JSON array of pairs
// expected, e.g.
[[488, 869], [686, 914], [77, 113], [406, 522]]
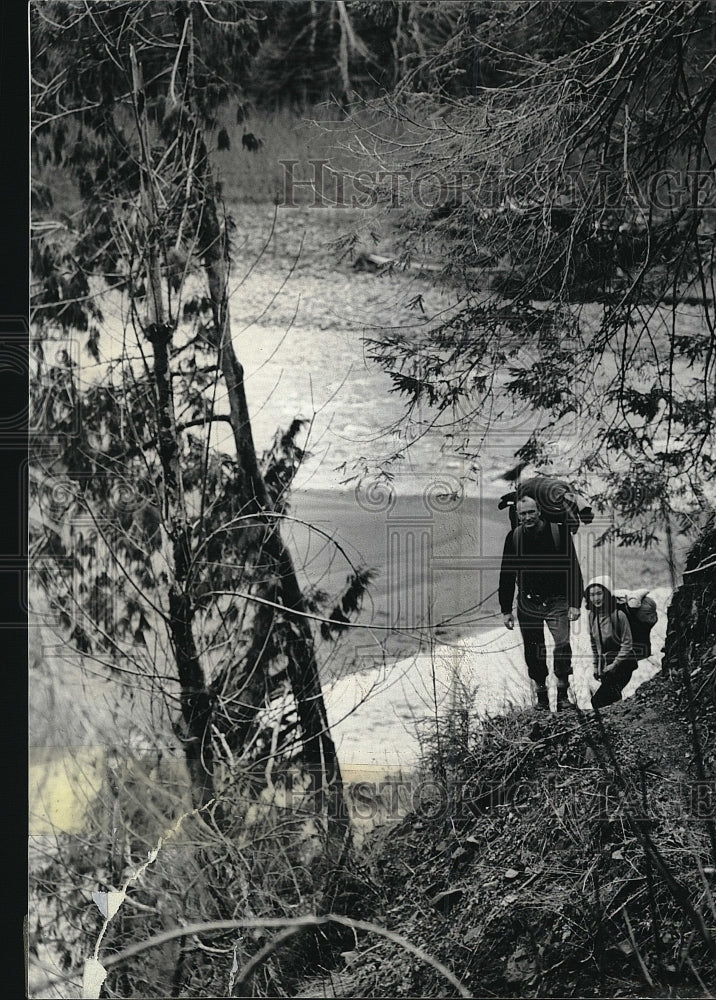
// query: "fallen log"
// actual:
[[374, 263]]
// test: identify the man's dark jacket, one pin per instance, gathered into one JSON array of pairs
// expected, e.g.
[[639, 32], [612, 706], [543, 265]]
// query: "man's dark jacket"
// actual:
[[540, 569]]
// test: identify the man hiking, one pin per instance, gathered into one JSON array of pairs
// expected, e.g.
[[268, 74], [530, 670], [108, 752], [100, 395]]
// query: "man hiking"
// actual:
[[540, 558]]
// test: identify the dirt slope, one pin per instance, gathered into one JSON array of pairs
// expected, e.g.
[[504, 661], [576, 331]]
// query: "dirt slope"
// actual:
[[550, 856]]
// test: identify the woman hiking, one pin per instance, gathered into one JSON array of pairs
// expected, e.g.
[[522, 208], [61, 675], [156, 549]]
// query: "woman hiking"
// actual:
[[612, 645]]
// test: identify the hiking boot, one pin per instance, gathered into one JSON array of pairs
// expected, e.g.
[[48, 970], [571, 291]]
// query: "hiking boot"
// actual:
[[542, 696], [562, 698]]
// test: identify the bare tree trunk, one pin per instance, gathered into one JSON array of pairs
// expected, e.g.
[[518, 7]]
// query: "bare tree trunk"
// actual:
[[671, 558], [318, 748], [314, 26], [195, 701]]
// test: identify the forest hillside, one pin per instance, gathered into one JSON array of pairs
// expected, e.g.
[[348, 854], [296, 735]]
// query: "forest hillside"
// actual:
[[317, 290]]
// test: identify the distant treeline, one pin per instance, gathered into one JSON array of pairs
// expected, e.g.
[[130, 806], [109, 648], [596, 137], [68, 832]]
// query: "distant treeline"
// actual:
[[307, 51], [301, 52]]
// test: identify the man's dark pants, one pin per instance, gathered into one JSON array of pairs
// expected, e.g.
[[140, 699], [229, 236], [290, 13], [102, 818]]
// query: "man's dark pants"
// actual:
[[533, 613]]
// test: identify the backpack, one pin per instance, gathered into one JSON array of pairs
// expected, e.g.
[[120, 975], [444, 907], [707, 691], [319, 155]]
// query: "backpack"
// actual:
[[559, 502], [642, 616]]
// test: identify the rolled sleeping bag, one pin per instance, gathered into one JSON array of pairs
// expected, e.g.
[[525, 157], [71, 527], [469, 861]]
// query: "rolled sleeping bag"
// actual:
[[555, 497]]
